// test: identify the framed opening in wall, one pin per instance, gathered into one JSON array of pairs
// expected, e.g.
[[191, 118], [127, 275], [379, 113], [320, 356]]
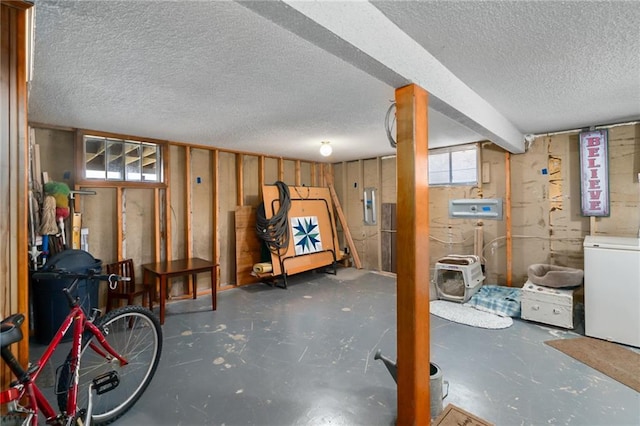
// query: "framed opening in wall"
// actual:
[[454, 166], [115, 159]]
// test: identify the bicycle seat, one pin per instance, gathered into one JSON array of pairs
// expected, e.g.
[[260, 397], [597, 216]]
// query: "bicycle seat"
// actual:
[[10, 330]]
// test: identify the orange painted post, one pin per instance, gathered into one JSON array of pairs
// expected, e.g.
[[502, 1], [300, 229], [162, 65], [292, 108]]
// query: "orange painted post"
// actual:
[[413, 254]]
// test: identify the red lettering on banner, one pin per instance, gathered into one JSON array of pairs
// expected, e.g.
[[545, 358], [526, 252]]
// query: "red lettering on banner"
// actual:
[[595, 195], [593, 152], [591, 163], [594, 173], [593, 141], [594, 184], [594, 205]]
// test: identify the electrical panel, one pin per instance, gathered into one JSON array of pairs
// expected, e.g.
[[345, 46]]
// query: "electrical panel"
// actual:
[[482, 208]]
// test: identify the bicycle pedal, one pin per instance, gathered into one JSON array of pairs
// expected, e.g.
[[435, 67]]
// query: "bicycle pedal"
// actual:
[[106, 382]]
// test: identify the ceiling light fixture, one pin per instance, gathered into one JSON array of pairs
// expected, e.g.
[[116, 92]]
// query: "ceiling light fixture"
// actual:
[[325, 148]]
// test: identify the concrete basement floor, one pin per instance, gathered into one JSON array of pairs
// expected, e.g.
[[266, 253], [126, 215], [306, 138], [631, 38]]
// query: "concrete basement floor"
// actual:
[[304, 356]]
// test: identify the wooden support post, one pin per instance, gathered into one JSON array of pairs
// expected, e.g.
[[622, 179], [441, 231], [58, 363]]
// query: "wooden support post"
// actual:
[[413, 250], [509, 239]]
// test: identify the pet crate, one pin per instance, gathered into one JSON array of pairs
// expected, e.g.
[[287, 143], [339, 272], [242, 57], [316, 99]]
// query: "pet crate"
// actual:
[[458, 277]]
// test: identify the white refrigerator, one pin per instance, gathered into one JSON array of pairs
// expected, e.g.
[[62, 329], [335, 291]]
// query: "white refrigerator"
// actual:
[[612, 288]]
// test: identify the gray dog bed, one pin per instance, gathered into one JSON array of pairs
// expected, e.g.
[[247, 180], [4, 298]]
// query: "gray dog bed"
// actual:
[[554, 276]]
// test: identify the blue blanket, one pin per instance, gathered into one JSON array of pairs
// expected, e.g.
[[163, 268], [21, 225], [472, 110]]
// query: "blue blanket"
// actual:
[[499, 300]]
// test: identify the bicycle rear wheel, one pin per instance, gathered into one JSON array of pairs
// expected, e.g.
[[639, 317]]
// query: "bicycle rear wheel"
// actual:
[[135, 333]]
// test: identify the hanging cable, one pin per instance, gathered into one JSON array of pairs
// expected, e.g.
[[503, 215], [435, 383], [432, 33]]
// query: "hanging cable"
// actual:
[[275, 230], [388, 125]]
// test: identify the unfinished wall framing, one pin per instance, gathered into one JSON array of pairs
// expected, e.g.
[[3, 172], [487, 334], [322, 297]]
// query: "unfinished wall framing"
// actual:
[[546, 222], [188, 215]]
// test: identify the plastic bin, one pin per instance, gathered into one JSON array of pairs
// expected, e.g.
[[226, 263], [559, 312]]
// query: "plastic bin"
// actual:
[[50, 305]]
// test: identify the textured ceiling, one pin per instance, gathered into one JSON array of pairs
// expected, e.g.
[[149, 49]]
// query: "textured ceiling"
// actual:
[[216, 73]]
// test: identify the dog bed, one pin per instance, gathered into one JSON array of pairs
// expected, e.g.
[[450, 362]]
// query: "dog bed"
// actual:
[[554, 276]]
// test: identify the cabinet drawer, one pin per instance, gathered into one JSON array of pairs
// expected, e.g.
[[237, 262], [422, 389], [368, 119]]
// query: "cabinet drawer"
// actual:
[[548, 313]]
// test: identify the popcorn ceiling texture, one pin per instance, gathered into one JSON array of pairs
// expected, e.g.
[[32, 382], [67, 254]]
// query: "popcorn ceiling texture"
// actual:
[[216, 73]]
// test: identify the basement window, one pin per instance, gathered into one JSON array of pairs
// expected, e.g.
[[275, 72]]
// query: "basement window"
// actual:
[[112, 159], [454, 166]]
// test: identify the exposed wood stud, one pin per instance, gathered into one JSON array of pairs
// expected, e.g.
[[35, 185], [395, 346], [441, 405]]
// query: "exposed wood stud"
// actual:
[[119, 224], [167, 205], [281, 169], [239, 179], [508, 223], [314, 174], [188, 219], [215, 207], [298, 177], [413, 248], [260, 176], [379, 210], [156, 224]]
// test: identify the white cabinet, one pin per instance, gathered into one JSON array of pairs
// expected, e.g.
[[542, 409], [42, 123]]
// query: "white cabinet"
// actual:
[[612, 288]]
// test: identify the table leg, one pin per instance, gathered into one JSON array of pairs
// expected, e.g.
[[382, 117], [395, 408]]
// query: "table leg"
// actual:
[[194, 280], [214, 290], [163, 296]]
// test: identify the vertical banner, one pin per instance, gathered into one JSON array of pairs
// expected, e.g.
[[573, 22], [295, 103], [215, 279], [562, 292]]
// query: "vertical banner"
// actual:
[[594, 173]]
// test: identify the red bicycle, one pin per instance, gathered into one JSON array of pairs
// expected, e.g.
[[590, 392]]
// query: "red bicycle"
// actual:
[[111, 362]]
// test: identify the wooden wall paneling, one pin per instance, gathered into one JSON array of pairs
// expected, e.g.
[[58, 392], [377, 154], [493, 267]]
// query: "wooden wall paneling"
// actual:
[[247, 245], [228, 203], [298, 178], [14, 262], [413, 236], [215, 209]]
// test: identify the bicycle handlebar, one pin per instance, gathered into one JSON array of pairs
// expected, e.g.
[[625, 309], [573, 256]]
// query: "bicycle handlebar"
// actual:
[[61, 274]]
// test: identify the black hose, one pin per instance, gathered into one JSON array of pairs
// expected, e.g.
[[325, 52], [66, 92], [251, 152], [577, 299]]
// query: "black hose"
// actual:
[[275, 230]]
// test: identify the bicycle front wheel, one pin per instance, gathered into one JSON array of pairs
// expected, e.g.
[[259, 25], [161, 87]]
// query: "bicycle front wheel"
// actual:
[[135, 333]]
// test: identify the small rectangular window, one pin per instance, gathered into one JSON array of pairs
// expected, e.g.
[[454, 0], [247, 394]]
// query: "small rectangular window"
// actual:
[[121, 160], [454, 166]]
